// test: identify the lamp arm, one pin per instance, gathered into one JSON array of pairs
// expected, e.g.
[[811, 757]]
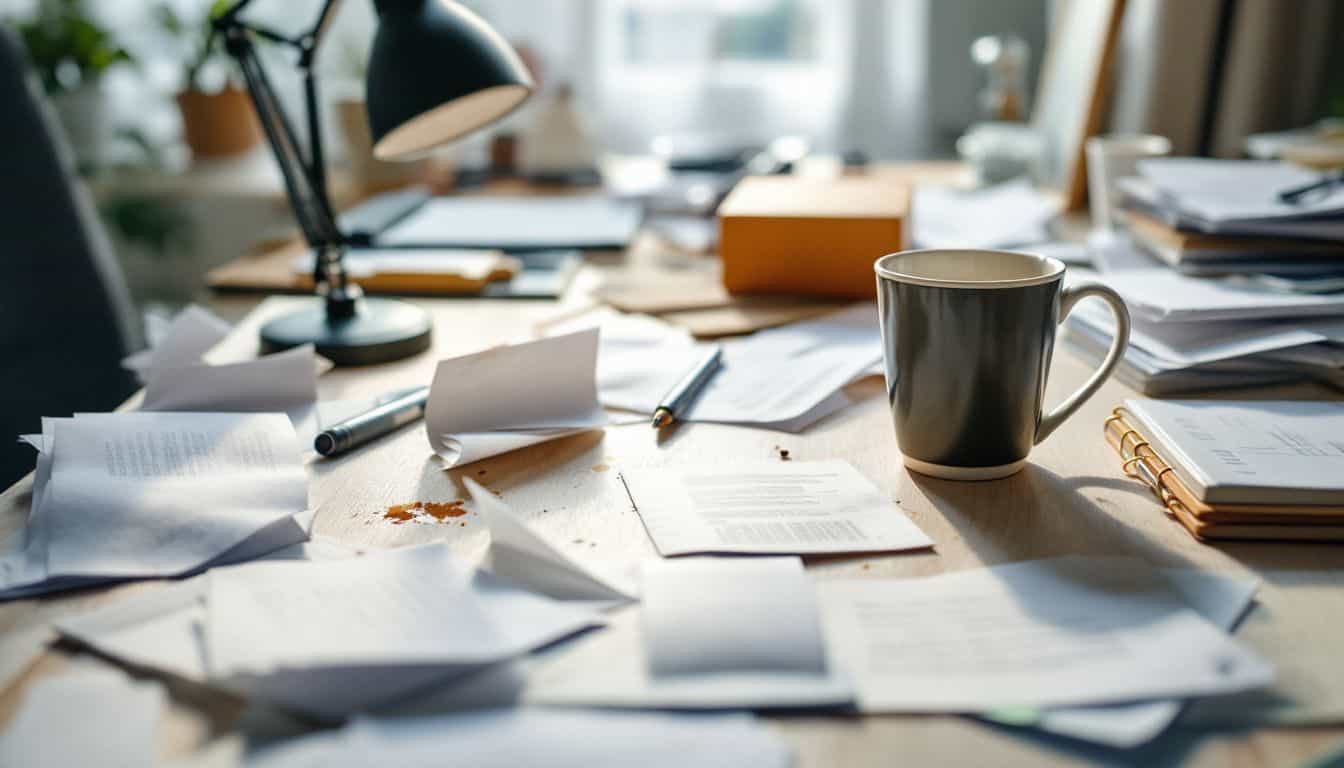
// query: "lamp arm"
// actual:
[[305, 182]]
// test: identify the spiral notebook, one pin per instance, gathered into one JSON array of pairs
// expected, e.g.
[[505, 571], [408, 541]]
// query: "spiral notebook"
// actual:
[[1225, 470]]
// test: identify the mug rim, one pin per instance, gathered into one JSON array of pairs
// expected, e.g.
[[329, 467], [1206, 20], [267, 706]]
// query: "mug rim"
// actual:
[[1056, 270]]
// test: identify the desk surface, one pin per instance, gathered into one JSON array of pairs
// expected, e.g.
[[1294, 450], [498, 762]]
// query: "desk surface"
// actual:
[[1071, 499]]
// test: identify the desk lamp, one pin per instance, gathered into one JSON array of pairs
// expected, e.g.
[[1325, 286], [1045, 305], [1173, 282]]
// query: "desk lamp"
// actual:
[[437, 72]]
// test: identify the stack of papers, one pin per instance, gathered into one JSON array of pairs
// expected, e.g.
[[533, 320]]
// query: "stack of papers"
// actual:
[[328, 633], [511, 397], [137, 495], [1191, 333], [784, 378], [1235, 197]]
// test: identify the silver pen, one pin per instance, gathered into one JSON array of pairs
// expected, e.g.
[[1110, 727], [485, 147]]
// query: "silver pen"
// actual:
[[358, 430], [675, 403]]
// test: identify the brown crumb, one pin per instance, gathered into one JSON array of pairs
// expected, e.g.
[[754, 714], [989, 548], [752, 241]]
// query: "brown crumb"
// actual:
[[480, 471], [600, 467], [867, 567], [443, 510], [783, 453]]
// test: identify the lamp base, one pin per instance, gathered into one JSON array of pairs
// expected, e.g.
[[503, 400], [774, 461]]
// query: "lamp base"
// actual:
[[379, 331]]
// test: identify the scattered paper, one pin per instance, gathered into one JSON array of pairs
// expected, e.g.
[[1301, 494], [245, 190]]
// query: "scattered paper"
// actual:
[[504, 738], [120, 495], [511, 397], [330, 638], [285, 381], [1219, 598], [795, 507], [1164, 295], [1059, 632], [185, 340], [708, 615], [161, 628], [780, 377], [609, 668], [524, 558], [1007, 214], [85, 718]]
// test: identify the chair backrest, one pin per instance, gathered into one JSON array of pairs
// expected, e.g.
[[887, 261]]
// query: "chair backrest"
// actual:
[[66, 317]]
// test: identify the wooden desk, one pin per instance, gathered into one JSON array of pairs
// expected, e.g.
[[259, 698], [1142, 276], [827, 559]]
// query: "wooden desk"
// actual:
[[1071, 499]]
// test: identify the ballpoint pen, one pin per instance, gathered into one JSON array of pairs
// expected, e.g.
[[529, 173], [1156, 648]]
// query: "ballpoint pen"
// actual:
[[358, 430], [675, 402]]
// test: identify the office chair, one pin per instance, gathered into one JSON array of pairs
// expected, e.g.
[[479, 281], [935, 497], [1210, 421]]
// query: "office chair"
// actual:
[[66, 317]]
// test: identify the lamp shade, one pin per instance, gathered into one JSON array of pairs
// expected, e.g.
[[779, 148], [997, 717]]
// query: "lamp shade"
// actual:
[[437, 72]]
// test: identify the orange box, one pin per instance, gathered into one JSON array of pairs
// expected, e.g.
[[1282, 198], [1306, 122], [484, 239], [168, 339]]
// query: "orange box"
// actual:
[[815, 237]]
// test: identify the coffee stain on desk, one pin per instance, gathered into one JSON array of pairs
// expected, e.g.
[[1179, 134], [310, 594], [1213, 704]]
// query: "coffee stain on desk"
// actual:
[[440, 511]]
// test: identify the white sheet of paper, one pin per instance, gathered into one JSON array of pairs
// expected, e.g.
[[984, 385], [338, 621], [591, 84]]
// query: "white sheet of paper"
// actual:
[[517, 222], [702, 616], [285, 381], [186, 339], [148, 474], [511, 397], [1221, 599], [1199, 343], [774, 377], [541, 738], [774, 507], [85, 718], [1218, 190], [159, 628], [1011, 213], [1061, 632], [609, 668], [524, 558], [120, 496], [1164, 295], [474, 264], [408, 607]]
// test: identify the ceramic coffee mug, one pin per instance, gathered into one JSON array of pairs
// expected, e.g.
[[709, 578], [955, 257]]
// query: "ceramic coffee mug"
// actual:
[[967, 337]]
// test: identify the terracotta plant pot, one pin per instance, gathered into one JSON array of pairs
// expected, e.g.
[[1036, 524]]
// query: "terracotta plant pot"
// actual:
[[218, 124]]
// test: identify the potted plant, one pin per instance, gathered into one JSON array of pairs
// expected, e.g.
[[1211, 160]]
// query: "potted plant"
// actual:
[[71, 52], [218, 119]]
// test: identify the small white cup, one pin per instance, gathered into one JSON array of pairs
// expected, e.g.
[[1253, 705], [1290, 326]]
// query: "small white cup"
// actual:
[[1113, 157]]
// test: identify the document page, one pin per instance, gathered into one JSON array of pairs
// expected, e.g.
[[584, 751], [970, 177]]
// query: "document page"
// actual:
[[511, 397], [524, 558], [1221, 599], [794, 507], [708, 615], [184, 340], [1067, 631], [134, 494], [405, 607], [285, 381]]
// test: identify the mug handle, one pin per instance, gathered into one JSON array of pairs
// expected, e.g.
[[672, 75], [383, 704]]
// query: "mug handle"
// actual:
[[1068, 300]]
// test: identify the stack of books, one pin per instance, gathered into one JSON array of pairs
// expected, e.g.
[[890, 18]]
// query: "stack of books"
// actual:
[[1238, 469], [1235, 287]]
